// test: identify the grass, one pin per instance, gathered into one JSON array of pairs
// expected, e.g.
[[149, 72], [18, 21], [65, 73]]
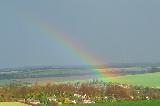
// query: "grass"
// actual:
[[12, 104], [148, 79], [125, 103]]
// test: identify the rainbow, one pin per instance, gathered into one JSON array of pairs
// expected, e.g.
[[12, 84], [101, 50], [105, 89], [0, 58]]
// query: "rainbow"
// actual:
[[73, 47]]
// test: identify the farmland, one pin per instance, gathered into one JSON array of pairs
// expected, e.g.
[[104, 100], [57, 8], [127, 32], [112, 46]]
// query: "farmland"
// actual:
[[133, 86], [12, 104], [147, 79], [135, 75], [126, 103]]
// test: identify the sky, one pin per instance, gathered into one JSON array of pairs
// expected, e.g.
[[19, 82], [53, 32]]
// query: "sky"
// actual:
[[119, 31]]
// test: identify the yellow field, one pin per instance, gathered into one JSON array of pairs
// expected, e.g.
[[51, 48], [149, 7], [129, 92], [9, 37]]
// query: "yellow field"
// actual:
[[12, 104]]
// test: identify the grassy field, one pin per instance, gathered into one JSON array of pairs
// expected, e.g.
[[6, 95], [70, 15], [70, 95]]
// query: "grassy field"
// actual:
[[131, 103], [148, 79], [6, 82], [125, 103], [12, 104]]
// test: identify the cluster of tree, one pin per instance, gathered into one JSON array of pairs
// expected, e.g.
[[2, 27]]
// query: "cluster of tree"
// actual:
[[91, 92]]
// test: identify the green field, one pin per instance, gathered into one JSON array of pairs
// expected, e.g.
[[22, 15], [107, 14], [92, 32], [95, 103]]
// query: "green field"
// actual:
[[12, 104], [125, 103], [131, 103], [148, 79], [4, 82], [55, 71]]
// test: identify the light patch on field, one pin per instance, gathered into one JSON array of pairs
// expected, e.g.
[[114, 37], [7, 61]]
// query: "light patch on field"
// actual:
[[12, 104], [148, 79]]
